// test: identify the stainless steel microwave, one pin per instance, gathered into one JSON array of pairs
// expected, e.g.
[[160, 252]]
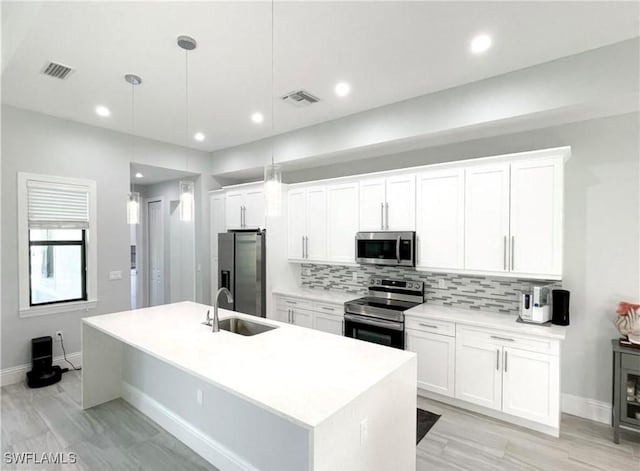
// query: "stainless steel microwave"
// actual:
[[386, 248]]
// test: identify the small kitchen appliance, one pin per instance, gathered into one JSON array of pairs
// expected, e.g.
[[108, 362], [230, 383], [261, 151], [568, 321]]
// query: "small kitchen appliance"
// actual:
[[535, 305], [379, 317], [560, 307]]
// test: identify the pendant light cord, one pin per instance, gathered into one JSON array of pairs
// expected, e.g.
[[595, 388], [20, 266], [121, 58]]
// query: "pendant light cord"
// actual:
[[273, 98], [133, 126], [186, 101]]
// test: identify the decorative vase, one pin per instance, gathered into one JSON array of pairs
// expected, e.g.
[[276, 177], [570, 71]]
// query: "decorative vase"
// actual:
[[628, 321]]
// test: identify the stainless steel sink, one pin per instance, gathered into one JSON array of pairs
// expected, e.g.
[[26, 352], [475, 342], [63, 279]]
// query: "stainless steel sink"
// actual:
[[240, 326]]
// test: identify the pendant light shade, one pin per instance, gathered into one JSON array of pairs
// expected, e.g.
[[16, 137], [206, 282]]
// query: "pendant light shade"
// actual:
[[133, 208], [187, 200], [273, 190]]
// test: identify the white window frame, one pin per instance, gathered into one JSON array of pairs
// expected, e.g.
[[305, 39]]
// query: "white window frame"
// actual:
[[24, 307]]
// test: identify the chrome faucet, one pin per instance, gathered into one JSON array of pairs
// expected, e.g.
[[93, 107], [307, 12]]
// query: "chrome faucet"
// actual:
[[216, 320]]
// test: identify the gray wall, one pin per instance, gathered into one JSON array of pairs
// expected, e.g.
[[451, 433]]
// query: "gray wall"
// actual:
[[33, 142], [602, 238]]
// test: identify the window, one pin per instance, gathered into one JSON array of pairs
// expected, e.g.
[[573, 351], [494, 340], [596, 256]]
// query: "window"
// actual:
[[57, 250]]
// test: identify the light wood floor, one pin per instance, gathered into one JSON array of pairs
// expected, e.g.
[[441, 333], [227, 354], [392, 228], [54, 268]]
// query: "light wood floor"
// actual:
[[115, 436]]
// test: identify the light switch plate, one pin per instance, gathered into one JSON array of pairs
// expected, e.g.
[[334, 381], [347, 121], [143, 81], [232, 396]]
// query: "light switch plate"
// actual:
[[115, 275], [442, 284], [354, 276]]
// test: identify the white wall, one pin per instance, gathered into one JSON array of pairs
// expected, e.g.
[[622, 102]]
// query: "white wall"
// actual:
[[602, 233], [33, 142]]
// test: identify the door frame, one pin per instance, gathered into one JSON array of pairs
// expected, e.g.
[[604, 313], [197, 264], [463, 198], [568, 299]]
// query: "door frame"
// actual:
[[145, 263]]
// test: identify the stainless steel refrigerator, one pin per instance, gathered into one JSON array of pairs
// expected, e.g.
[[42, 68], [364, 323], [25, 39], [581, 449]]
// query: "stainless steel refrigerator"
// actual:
[[242, 270]]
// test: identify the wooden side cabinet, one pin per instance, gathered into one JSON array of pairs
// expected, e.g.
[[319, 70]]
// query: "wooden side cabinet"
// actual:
[[626, 389]]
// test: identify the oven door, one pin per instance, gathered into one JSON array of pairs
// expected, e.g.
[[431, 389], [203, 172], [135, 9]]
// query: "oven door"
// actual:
[[386, 248], [378, 331]]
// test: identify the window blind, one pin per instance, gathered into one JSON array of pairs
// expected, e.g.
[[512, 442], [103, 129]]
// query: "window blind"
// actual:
[[57, 206]]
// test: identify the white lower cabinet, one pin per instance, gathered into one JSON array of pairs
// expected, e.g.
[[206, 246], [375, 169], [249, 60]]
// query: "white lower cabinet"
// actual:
[[326, 317], [436, 359], [302, 318], [478, 373], [328, 323]]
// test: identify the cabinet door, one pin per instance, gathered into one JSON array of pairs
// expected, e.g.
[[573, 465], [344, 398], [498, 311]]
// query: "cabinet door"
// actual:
[[316, 214], [536, 216], [234, 201], [487, 218], [436, 360], [328, 323], [372, 199], [531, 386], [254, 204], [440, 219], [282, 314], [302, 318], [401, 203], [217, 225], [297, 225], [342, 222], [478, 373]]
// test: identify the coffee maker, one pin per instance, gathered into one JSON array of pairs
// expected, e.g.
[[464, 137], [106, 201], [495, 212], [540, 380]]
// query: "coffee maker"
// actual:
[[535, 305]]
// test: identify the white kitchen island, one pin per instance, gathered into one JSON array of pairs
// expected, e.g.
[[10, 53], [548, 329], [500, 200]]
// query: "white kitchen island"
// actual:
[[289, 399]]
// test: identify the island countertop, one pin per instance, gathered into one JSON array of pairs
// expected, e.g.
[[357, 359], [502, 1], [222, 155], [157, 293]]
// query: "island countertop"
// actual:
[[301, 374]]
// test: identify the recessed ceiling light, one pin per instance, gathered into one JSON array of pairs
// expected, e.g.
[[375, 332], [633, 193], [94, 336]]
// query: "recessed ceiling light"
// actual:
[[103, 111], [342, 89], [480, 43], [139, 175], [257, 117], [198, 136]]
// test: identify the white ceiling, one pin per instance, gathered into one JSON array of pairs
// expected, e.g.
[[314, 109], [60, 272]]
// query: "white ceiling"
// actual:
[[152, 174], [388, 51]]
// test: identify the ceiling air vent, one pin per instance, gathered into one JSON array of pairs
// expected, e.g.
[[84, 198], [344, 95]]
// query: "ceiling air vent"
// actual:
[[300, 98], [53, 69]]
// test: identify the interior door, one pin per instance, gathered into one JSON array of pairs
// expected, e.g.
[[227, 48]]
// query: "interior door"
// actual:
[[530, 386], [254, 204], [155, 238], [316, 215], [342, 222], [440, 219], [372, 199], [436, 360], [297, 222], [401, 203], [478, 372], [234, 201], [536, 216], [487, 218]]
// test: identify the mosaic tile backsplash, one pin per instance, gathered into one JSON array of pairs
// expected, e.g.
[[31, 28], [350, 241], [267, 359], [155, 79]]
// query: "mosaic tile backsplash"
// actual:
[[483, 293]]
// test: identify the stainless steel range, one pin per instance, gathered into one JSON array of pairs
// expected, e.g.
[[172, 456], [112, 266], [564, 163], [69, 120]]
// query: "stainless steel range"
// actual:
[[379, 317]]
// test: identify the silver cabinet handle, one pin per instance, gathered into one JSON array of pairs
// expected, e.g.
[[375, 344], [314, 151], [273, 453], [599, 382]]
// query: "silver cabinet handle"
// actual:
[[382, 216], [504, 253], [428, 325], [291, 302], [306, 246], [513, 253], [498, 359], [495, 337], [505, 360], [244, 216], [328, 308], [302, 247], [387, 206], [398, 248]]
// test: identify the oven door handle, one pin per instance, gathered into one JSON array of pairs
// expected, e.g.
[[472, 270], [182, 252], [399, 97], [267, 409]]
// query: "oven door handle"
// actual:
[[375, 322], [398, 248]]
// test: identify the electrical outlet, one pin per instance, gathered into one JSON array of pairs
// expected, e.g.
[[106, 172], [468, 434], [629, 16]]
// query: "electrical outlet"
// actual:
[[364, 431], [307, 271], [59, 335], [442, 284], [354, 276], [199, 397], [115, 275]]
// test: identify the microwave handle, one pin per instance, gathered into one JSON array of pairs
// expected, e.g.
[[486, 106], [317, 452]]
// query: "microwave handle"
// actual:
[[398, 248]]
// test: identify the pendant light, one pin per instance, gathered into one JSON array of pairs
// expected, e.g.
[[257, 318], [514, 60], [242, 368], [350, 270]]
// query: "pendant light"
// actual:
[[187, 188], [133, 204], [272, 172]]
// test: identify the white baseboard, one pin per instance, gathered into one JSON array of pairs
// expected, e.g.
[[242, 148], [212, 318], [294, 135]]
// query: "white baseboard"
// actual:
[[15, 374], [212, 451], [586, 408]]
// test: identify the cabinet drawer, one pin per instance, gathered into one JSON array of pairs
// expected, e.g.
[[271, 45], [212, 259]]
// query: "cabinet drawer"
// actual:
[[429, 325], [630, 362], [334, 309], [294, 303], [523, 342]]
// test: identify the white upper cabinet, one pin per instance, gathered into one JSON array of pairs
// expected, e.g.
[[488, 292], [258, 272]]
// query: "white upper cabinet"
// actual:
[[536, 216], [372, 204], [297, 222], [244, 207], [316, 214], [487, 217], [440, 218], [342, 221], [388, 203]]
